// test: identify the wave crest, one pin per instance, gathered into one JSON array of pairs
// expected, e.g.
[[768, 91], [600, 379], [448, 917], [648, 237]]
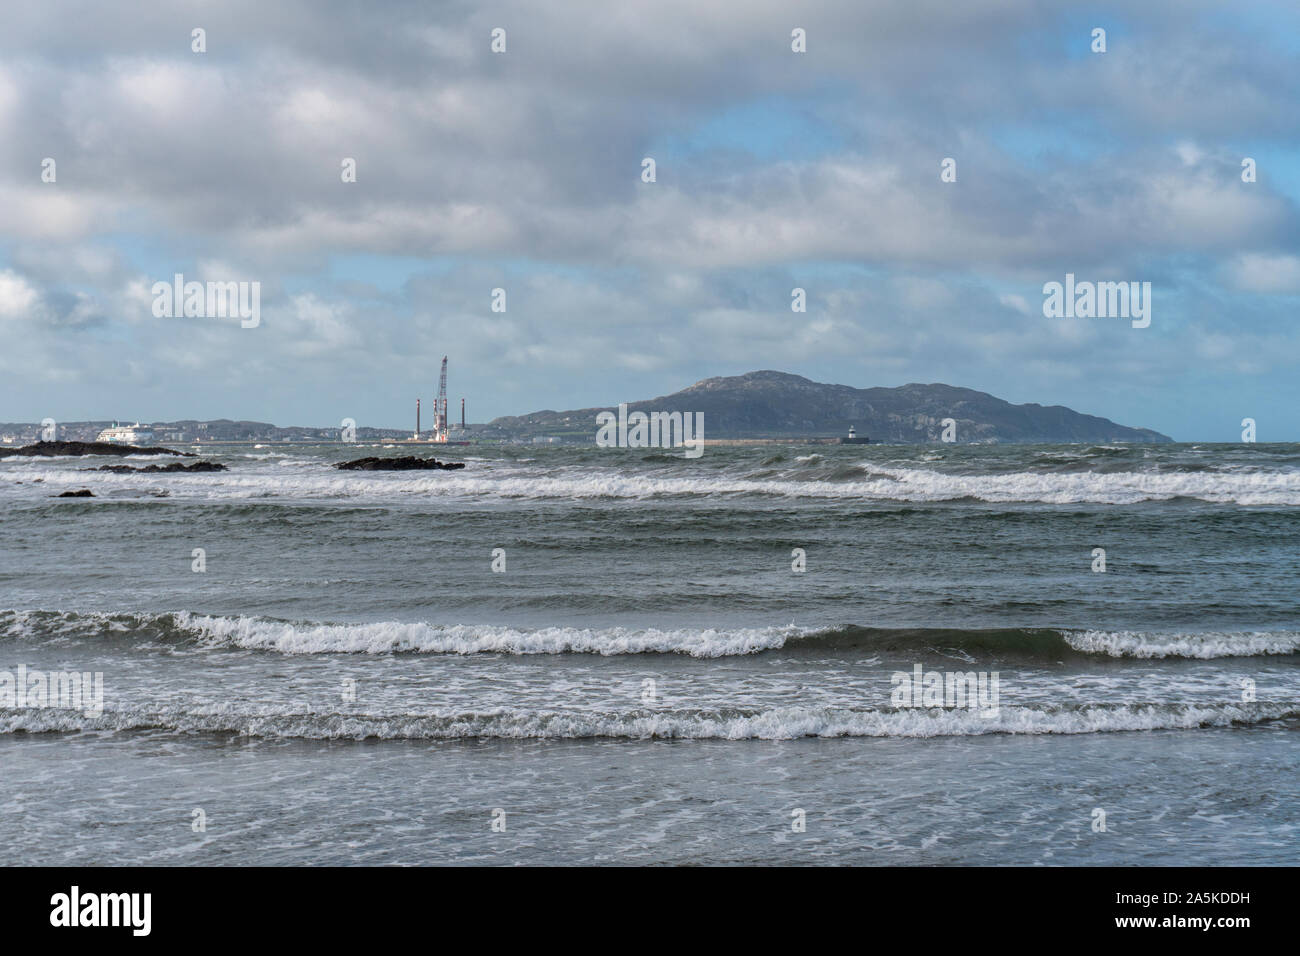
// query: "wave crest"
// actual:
[[418, 637], [781, 723]]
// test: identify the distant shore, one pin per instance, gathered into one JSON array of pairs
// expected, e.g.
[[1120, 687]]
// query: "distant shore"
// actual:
[[296, 441]]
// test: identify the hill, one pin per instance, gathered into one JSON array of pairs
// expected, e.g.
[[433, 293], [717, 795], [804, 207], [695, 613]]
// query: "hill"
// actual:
[[770, 404]]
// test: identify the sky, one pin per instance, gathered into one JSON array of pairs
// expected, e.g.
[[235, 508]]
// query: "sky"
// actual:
[[522, 170]]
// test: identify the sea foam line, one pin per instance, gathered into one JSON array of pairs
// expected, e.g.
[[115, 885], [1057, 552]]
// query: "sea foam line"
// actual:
[[887, 484], [396, 637], [387, 637], [1204, 646], [782, 723]]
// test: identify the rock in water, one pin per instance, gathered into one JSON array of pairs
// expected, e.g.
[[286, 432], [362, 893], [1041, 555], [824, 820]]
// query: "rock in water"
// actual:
[[83, 493], [51, 449], [169, 468], [407, 463]]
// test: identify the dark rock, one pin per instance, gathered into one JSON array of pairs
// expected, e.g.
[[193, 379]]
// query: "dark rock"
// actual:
[[51, 449], [407, 463], [83, 493], [169, 468]]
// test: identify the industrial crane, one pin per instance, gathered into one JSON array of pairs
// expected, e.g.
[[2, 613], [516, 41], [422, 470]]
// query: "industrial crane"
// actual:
[[440, 407]]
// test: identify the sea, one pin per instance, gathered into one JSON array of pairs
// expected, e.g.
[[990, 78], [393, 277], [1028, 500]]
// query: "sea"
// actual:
[[869, 655]]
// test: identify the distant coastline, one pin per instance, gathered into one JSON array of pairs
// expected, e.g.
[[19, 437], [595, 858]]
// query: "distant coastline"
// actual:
[[762, 407]]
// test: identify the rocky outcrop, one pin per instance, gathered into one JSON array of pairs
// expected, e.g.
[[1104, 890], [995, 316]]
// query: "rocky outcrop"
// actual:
[[406, 463], [170, 468], [83, 493], [52, 449]]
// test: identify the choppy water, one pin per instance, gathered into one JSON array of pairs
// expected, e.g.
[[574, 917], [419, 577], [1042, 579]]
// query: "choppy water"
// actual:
[[649, 680]]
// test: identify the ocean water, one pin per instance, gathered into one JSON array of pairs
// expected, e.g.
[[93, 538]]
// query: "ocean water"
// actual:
[[646, 678]]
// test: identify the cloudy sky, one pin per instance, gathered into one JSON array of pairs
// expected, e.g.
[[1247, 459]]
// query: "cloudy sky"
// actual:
[[522, 170]]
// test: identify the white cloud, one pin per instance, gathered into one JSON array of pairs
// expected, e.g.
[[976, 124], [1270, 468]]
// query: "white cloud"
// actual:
[[227, 165], [1258, 272], [17, 297], [1017, 302]]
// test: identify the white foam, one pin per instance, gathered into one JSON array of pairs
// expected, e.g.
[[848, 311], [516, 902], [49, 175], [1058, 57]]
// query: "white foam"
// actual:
[[388, 637], [1204, 646], [781, 723], [879, 483]]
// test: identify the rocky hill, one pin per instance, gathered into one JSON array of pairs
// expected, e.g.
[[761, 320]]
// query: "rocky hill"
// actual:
[[780, 405]]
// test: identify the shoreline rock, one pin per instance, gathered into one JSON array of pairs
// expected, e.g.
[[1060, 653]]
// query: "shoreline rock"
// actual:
[[169, 468], [51, 449], [406, 463], [83, 493]]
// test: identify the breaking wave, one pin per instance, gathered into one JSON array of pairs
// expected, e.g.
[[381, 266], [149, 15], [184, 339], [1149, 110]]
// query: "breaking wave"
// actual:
[[402, 637], [780, 723], [390, 637], [826, 479]]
